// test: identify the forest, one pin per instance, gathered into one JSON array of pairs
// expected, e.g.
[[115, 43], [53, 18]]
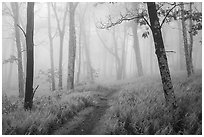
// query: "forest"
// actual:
[[101, 68]]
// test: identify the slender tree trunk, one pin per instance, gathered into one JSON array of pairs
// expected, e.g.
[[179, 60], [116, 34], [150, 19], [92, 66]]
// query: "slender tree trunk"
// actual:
[[23, 42], [181, 48], [51, 49], [72, 46], [185, 40], [60, 61], [87, 54], [161, 56], [117, 58], [191, 40], [79, 63], [10, 70], [123, 54], [15, 10], [30, 59], [137, 50], [61, 33]]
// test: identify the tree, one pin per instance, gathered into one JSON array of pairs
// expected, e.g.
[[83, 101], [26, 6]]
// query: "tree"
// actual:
[[191, 39], [61, 34], [188, 55], [72, 46], [29, 93], [136, 45], [51, 49], [161, 55], [15, 10]]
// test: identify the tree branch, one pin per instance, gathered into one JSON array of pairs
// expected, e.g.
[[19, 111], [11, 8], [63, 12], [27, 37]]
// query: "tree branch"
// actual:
[[167, 14], [147, 22], [22, 30]]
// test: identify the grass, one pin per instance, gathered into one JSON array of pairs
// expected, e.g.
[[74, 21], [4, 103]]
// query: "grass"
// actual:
[[139, 108], [49, 113]]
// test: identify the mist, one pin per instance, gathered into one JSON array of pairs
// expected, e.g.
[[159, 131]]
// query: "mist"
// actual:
[[110, 48]]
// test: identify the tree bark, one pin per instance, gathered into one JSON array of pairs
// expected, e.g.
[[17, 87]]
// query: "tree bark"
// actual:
[[15, 10], [185, 40], [161, 56], [30, 59], [51, 50], [72, 46]]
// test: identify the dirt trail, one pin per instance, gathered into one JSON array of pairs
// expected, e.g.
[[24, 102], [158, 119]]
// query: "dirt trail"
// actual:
[[88, 120], [91, 120]]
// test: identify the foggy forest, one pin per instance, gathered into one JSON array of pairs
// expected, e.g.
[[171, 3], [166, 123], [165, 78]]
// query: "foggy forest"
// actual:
[[101, 68]]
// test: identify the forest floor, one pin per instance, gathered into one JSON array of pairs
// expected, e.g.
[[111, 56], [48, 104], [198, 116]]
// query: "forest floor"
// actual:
[[88, 119], [126, 107]]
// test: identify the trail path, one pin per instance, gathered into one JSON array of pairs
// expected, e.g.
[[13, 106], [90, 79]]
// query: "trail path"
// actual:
[[88, 119]]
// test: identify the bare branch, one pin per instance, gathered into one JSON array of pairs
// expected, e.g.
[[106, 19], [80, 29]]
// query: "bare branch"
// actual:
[[22, 30], [57, 18], [119, 21], [147, 22]]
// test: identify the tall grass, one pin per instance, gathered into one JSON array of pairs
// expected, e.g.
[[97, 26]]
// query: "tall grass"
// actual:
[[48, 114], [140, 108]]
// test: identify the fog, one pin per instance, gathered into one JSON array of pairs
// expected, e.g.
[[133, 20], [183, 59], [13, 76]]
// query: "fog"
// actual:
[[99, 44]]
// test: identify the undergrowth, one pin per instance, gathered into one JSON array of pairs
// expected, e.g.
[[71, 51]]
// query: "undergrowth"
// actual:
[[140, 108], [48, 112]]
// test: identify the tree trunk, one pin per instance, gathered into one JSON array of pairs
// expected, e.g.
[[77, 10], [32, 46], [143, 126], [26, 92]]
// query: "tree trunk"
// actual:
[[79, 62], [181, 48], [72, 46], [117, 58], [185, 40], [161, 56], [137, 50], [15, 10], [51, 49], [87, 54], [123, 64], [30, 59], [191, 40], [23, 42], [61, 34]]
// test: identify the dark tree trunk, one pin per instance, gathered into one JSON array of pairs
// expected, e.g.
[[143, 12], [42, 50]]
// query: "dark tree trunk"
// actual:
[[137, 50], [30, 59], [185, 40], [51, 49], [161, 56], [15, 10], [72, 46]]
